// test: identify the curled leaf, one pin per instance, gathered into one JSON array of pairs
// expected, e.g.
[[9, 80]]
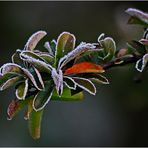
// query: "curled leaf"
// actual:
[[10, 67], [16, 58], [21, 91], [69, 82], [43, 96], [34, 39], [38, 78], [65, 43], [109, 48], [141, 64], [48, 47], [40, 65], [47, 58], [100, 79], [82, 48], [10, 83], [58, 80], [15, 106], [137, 17], [139, 47], [144, 41], [85, 84]]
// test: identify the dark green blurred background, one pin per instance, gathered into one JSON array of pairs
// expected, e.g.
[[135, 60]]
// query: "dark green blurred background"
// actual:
[[117, 115]]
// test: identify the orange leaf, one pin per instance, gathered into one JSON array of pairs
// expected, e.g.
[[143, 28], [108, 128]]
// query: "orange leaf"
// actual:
[[84, 67]]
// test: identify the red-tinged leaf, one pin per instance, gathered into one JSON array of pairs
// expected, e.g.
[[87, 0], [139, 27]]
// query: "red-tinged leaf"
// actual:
[[13, 108], [16, 105], [84, 67]]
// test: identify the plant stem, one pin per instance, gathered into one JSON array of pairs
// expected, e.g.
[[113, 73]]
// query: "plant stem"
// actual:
[[119, 62]]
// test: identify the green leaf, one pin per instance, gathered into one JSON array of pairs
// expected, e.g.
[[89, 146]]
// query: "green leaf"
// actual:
[[109, 48], [7, 76], [8, 80], [66, 96], [11, 67], [97, 78], [140, 48], [21, 90], [34, 39], [43, 96], [53, 45], [38, 78], [77, 52], [34, 123], [85, 84], [69, 82], [16, 58], [65, 43], [137, 17], [141, 64], [48, 47], [58, 80], [32, 55], [47, 58], [40, 65]]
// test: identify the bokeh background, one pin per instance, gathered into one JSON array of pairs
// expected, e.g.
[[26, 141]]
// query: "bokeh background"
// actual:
[[117, 115]]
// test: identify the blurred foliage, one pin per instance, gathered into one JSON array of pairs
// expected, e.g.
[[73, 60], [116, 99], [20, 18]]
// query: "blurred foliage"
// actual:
[[118, 117]]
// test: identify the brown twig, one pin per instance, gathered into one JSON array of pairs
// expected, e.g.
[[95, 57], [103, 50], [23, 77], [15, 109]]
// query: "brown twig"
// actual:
[[119, 62]]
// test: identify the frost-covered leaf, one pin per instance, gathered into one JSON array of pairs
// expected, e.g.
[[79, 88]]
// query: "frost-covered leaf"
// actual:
[[82, 48], [58, 80], [69, 82], [85, 84], [9, 79], [144, 41], [16, 58], [14, 68], [139, 47], [10, 82], [31, 77], [34, 123], [40, 65], [101, 36], [34, 55], [46, 57], [84, 67], [7, 76], [43, 96], [53, 45], [48, 47], [34, 39], [109, 48], [67, 96], [21, 90], [141, 64], [100, 79], [38, 78], [10, 67], [137, 17], [65, 43]]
